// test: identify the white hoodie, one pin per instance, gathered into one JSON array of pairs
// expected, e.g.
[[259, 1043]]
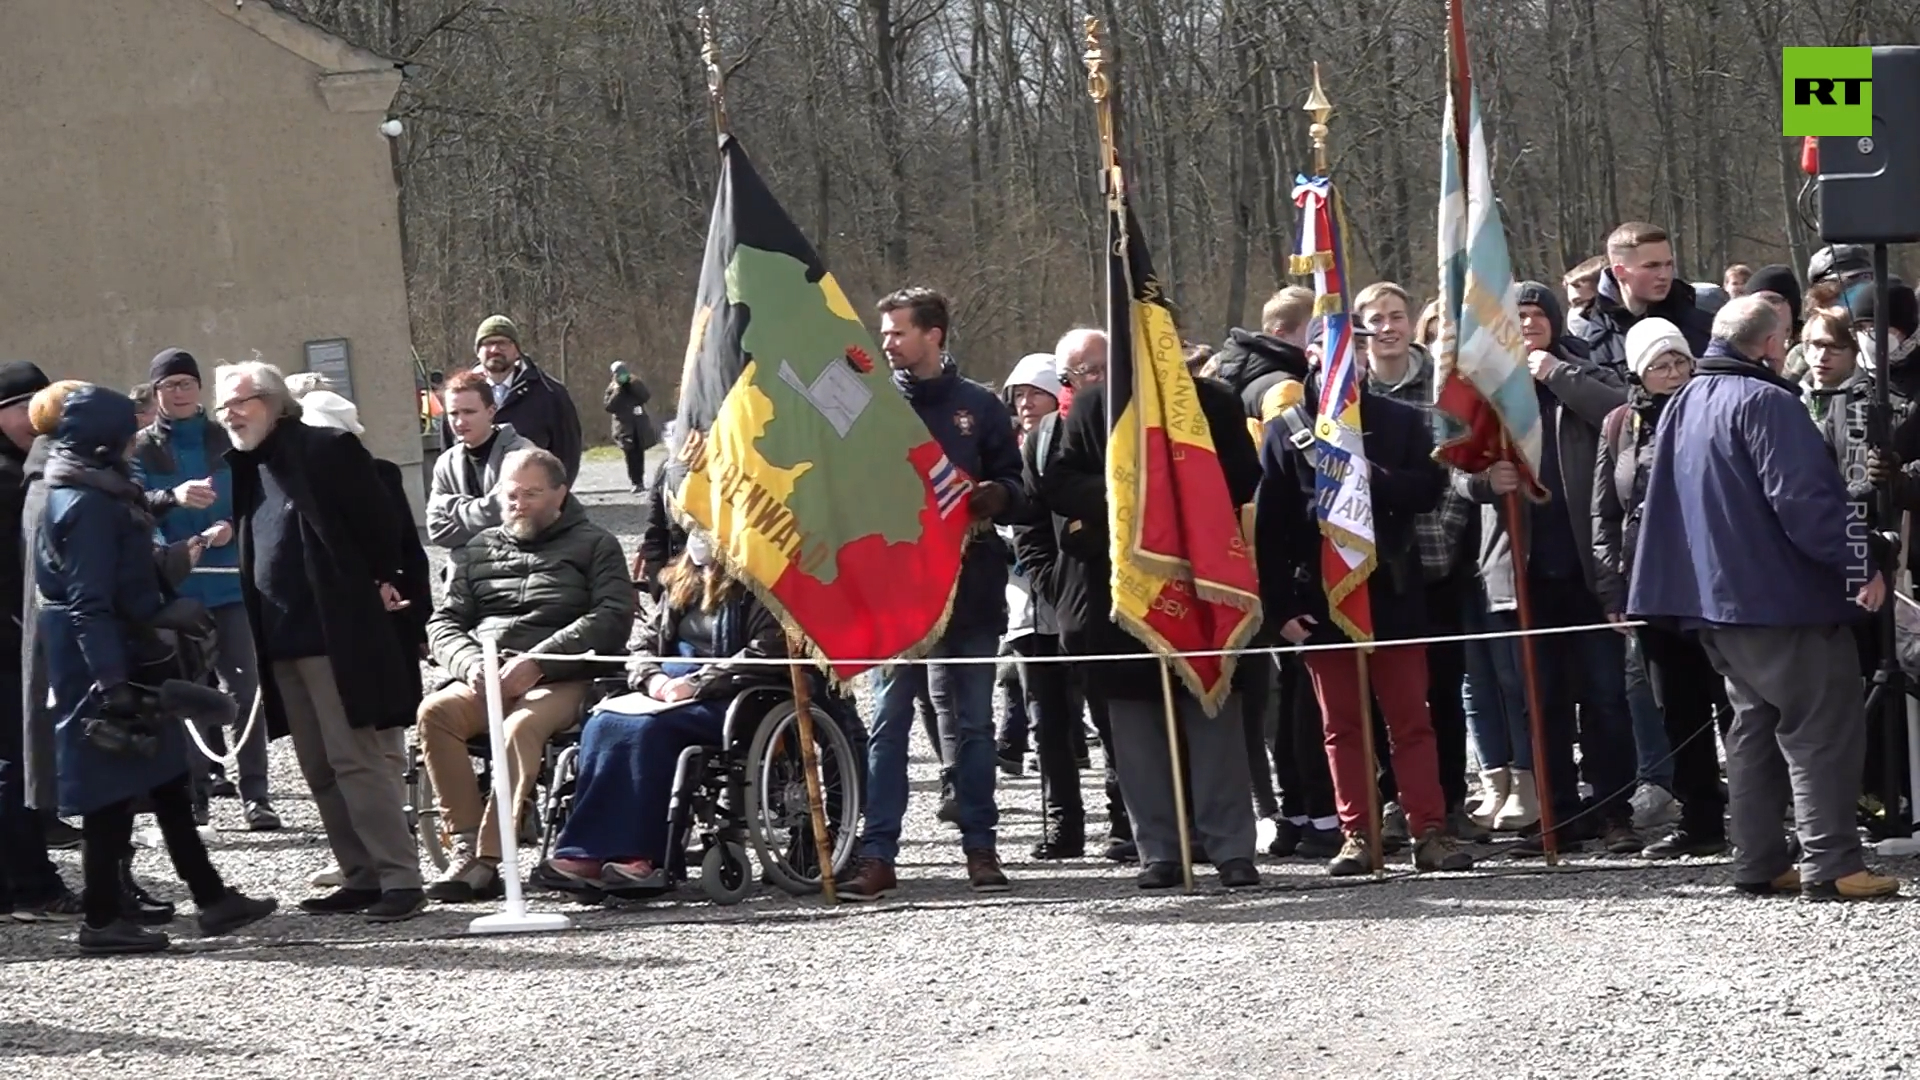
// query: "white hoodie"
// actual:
[[1026, 613]]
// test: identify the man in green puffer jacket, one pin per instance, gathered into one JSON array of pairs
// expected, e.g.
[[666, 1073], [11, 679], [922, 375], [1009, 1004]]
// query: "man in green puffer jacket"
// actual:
[[545, 581]]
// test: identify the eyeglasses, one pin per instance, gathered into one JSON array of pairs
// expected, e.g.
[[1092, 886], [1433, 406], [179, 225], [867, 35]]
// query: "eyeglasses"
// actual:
[[1670, 367], [228, 407], [181, 385]]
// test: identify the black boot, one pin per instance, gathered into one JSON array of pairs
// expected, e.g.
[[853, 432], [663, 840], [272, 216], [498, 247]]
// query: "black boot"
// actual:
[[1062, 839], [137, 904]]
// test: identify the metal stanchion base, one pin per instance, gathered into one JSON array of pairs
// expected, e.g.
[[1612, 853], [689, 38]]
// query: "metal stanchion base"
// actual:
[[1899, 847], [522, 922]]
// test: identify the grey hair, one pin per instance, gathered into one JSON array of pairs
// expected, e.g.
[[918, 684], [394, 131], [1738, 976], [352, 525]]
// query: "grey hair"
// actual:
[[533, 455], [1072, 344], [1746, 323], [267, 381]]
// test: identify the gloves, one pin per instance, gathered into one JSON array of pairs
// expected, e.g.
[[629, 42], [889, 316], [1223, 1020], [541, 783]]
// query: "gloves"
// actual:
[[1882, 465]]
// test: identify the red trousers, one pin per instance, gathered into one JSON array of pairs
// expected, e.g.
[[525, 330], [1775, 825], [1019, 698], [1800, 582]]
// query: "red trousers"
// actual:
[[1399, 677]]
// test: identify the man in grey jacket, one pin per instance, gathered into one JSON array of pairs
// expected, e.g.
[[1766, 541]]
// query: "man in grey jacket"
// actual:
[[1585, 670], [464, 497], [545, 581]]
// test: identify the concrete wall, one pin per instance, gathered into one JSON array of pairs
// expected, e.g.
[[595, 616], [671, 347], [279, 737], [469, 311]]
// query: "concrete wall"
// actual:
[[200, 174]]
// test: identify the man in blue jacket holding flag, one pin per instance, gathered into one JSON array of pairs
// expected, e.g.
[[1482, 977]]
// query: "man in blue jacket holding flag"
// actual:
[[183, 445]]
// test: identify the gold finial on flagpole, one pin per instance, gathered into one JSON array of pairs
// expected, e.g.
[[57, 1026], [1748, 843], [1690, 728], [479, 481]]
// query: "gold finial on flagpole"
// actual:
[[1321, 108], [1100, 89], [1096, 60], [716, 78]]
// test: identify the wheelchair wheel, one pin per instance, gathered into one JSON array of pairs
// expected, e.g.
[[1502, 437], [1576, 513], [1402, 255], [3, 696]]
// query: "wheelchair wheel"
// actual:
[[777, 817], [425, 813], [725, 874]]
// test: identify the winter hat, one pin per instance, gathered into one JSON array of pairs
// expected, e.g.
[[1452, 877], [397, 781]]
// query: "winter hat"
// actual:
[[1548, 301], [326, 409], [1650, 339], [19, 381], [1780, 281], [1903, 308], [1035, 370], [497, 326], [1839, 260], [170, 362]]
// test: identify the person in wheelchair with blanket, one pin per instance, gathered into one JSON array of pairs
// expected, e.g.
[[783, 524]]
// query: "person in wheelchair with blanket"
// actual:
[[616, 833], [126, 661]]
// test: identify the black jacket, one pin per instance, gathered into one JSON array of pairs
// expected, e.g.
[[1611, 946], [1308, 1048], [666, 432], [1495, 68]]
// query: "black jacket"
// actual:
[[1073, 490], [351, 542], [1406, 482], [1252, 364], [1608, 321], [540, 409], [626, 402], [743, 628]]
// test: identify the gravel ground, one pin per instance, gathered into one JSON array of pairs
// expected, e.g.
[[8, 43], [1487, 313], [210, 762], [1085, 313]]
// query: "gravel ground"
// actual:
[[1607, 967]]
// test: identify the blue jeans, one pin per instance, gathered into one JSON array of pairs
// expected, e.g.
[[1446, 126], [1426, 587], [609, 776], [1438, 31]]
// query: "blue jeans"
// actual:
[[1494, 691], [1651, 748], [963, 698]]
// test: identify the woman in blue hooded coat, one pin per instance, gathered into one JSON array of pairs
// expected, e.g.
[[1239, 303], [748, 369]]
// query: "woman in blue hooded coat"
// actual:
[[94, 563]]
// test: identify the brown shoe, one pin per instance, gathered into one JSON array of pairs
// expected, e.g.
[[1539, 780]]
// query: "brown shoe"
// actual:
[[1785, 885], [1860, 885], [984, 874], [867, 879]]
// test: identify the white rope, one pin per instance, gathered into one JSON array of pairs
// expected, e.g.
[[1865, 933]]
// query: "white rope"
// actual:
[[1269, 650]]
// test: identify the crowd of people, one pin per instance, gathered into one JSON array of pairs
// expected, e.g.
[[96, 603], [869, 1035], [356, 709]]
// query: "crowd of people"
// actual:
[[1702, 524]]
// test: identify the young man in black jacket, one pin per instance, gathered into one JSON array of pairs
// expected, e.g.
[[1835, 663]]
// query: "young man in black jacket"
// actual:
[[1074, 490], [1405, 482]]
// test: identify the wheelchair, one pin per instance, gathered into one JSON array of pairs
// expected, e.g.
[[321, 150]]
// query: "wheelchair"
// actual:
[[423, 808], [750, 792]]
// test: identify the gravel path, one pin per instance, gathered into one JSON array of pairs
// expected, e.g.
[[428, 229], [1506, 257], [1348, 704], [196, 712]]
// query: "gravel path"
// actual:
[[1606, 968]]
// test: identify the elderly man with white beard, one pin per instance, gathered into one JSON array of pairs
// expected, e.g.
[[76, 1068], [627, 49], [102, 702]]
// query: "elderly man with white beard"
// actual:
[[545, 581], [321, 567]]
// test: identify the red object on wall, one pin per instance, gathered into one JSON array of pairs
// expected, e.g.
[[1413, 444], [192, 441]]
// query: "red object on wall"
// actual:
[[1810, 155]]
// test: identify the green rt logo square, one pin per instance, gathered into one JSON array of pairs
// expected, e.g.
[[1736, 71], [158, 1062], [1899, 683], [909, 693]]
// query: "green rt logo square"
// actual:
[[1826, 91]]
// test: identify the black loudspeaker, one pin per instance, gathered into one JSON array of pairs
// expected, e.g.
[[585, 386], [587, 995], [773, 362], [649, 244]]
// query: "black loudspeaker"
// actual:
[[1870, 187]]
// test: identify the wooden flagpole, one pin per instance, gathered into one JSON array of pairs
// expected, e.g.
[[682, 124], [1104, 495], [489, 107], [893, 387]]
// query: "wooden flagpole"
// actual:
[[1459, 72], [1322, 110], [796, 670], [1100, 89]]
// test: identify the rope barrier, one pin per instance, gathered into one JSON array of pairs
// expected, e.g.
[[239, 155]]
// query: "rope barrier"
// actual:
[[1096, 658]]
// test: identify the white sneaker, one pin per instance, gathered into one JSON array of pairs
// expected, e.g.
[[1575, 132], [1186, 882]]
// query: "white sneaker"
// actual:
[[1653, 807]]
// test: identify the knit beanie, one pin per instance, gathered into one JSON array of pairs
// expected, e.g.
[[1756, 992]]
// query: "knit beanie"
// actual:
[[1779, 280], [1548, 301], [19, 381], [170, 362], [1650, 339], [497, 326]]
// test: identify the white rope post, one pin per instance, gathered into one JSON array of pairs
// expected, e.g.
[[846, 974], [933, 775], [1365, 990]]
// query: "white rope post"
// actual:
[[514, 918]]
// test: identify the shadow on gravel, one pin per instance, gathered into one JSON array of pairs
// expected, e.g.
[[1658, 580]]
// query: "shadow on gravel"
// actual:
[[28, 1039], [465, 954]]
